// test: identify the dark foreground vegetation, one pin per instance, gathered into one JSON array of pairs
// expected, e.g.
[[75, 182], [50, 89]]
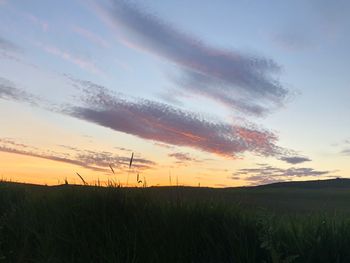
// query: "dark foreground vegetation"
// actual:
[[276, 223]]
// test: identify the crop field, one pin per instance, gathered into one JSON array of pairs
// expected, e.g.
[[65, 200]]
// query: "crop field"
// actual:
[[291, 222]]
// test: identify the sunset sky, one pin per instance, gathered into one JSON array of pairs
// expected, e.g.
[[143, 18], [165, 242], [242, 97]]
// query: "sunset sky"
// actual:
[[217, 93]]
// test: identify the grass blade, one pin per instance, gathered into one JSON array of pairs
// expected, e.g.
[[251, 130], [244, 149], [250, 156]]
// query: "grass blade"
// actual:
[[131, 159], [110, 166], [81, 178]]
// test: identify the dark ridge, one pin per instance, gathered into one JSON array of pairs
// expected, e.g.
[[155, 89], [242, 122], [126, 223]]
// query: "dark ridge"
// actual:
[[314, 184], [22, 185]]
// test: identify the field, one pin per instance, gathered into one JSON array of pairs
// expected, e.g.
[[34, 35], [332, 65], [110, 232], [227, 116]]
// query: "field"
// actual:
[[290, 222]]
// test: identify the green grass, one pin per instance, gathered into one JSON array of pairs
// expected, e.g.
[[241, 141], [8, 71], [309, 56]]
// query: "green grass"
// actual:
[[173, 224]]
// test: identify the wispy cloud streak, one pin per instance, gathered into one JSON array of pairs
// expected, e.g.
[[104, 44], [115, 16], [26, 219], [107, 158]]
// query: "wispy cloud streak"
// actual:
[[93, 160], [163, 123], [44, 25], [9, 50], [345, 144], [92, 37], [8, 91], [183, 158], [81, 62], [7, 45], [269, 174], [241, 81], [51, 157], [295, 159], [159, 122], [346, 152]]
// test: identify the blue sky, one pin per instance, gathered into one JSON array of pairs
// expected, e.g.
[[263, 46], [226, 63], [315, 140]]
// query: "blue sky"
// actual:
[[225, 93]]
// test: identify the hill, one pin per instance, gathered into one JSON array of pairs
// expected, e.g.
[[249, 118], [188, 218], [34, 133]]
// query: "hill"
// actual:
[[285, 222], [312, 184]]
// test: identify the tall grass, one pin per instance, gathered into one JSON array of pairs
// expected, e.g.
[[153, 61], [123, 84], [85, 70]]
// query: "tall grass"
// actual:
[[171, 224]]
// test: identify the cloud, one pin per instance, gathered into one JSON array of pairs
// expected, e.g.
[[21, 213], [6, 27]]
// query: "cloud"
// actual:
[[79, 61], [183, 158], [293, 40], [241, 81], [345, 152], [166, 146], [8, 91], [295, 159], [8, 46], [345, 145], [265, 174], [9, 50], [235, 178], [166, 124], [44, 25], [93, 160], [10, 142], [91, 36], [159, 122], [124, 149], [104, 159], [51, 157]]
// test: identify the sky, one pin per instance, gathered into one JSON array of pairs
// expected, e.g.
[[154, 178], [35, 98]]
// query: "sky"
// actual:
[[218, 94]]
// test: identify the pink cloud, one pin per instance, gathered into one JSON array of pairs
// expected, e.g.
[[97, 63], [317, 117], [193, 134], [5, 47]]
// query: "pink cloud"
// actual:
[[240, 81], [76, 60], [38, 21], [94, 38], [166, 124]]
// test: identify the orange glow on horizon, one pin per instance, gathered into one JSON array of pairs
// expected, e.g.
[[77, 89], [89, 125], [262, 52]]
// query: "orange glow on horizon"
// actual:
[[28, 169]]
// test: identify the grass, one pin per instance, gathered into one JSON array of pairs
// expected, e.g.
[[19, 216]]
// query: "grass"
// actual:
[[173, 224]]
